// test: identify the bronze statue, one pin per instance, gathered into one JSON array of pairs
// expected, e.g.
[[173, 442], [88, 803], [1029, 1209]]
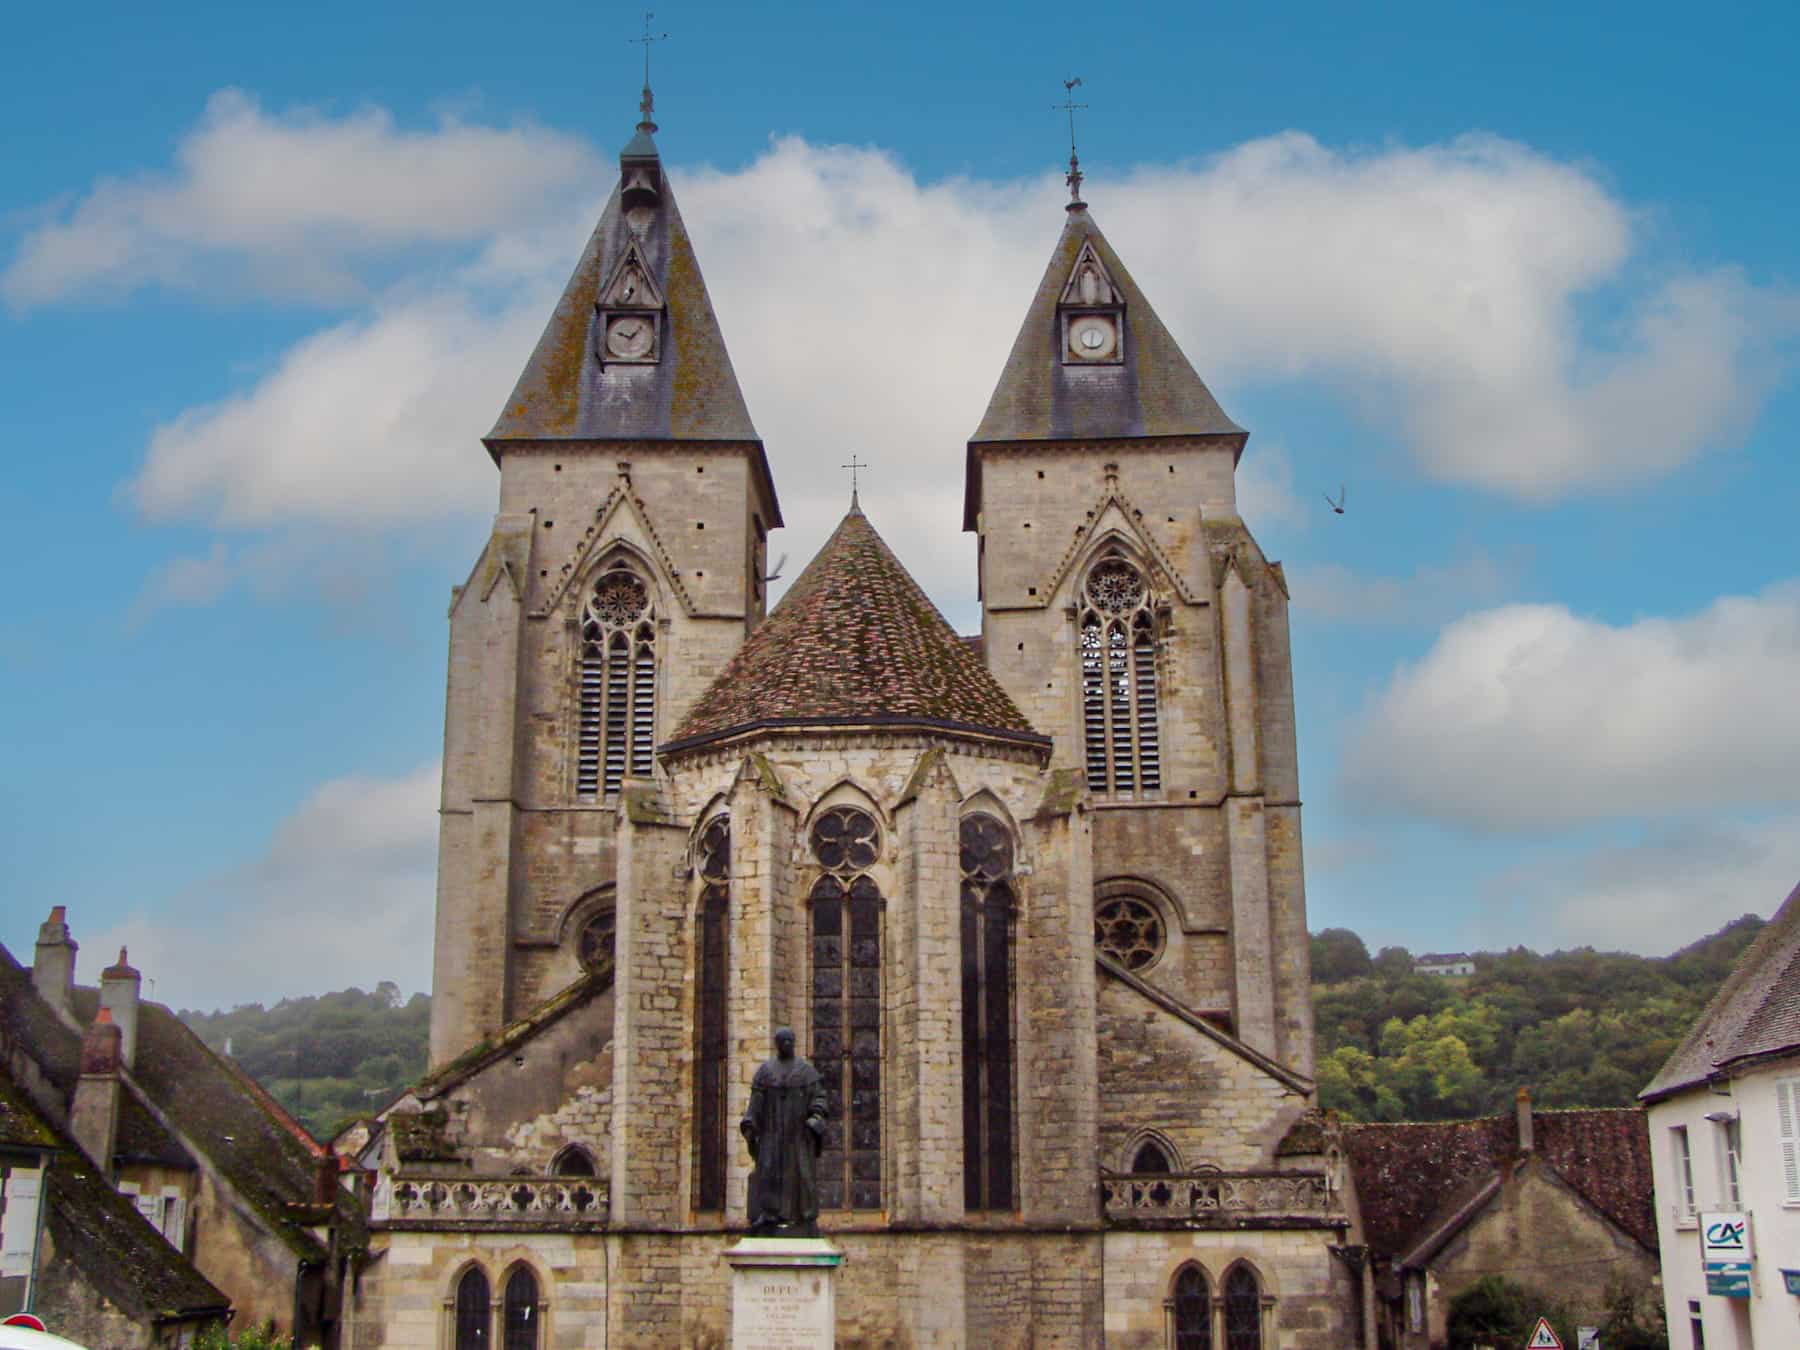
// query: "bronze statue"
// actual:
[[785, 1128]]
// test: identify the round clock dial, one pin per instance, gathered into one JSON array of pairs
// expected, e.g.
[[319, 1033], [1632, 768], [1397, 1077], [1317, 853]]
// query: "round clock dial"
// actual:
[[1092, 337], [629, 337]]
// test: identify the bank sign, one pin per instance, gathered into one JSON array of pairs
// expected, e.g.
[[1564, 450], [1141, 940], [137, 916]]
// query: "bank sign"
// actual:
[[1725, 1254]]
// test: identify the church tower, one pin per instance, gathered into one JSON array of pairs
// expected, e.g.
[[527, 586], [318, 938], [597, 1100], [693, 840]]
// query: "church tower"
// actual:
[[1128, 611], [624, 569]]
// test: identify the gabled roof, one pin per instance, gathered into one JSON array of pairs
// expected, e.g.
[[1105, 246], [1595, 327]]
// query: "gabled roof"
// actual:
[[854, 642], [691, 393], [1153, 391], [99, 1231], [1755, 1013], [1416, 1183]]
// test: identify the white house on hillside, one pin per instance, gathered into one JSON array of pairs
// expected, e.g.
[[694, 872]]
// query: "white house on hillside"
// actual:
[[1444, 963], [1725, 1143]]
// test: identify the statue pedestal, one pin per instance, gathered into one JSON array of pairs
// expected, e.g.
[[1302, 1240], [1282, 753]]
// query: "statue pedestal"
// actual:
[[783, 1293]]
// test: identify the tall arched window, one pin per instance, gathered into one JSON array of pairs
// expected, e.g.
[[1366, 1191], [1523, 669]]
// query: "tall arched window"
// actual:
[[472, 1311], [1243, 1309], [521, 1311], [987, 1013], [617, 713], [710, 1050], [846, 1006], [1191, 1303], [1118, 680]]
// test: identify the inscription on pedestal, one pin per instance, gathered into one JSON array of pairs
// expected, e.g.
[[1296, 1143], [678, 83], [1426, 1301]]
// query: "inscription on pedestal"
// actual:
[[782, 1310]]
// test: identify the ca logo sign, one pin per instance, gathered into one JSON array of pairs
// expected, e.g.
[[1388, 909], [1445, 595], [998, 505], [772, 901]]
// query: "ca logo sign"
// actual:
[[1725, 1233]]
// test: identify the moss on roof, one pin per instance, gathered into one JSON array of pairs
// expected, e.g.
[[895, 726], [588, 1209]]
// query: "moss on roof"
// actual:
[[854, 642], [485, 1052], [20, 1124]]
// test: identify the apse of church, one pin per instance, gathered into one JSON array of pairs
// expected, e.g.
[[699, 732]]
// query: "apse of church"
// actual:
[[1031, 901]]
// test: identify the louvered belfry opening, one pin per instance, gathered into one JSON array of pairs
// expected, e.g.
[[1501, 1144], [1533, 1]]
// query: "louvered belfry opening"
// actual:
[[1120, 715], [711, 1062], [616, 714], [987, 1013], [845, 915]]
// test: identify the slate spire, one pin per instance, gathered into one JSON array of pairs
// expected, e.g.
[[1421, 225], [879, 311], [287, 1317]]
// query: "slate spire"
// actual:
[[854, 642], [633, 350]]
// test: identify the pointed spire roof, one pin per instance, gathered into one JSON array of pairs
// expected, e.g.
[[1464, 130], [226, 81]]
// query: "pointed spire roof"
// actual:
[[690, 391], [1152, 390], [854, 642]]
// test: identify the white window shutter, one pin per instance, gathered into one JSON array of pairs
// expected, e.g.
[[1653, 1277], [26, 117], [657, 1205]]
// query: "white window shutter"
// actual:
[[1787, 1107], [19, 1223], [150, 1206], [174, 1218]]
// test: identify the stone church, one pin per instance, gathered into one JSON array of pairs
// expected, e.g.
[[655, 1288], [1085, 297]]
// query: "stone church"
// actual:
[[1032, 900]]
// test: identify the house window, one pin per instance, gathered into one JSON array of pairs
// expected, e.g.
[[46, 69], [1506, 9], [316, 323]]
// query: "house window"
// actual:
[[1682, 1159], [712, 983], [521, 1310], [987, 1013], [1120, 720], [1730, 1152], [1787, 1112], [616, 722], [1243, 1310], [845, 912], [472, 1310], [1696, 1327], [1191, 1303]]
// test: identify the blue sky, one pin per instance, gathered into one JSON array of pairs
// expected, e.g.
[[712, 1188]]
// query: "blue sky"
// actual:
[[1525, 281]]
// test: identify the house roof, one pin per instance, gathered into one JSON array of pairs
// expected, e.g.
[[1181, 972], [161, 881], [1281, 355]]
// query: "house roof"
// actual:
[[100, 1231], [691, 392], [1413, 1179], [1755, 1013], [1153, 391], [854, 642]]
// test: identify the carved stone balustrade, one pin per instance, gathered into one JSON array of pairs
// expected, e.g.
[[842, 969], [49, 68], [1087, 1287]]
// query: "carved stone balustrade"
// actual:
[[486, 1202], [1214, 1199]]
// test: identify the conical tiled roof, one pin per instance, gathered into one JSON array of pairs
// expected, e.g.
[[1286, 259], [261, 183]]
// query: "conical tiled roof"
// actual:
[[854, 642], [1152, 391], [691, 393]]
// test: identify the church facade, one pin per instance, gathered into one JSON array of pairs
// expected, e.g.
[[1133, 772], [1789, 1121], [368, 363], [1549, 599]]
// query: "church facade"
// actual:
[[1032, 901]]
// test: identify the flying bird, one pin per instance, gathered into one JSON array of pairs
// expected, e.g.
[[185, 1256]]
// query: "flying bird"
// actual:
[[1337, 505]]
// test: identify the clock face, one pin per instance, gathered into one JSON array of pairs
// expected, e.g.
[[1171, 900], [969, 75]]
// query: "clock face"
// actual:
[[629, 337], [1093, 337]]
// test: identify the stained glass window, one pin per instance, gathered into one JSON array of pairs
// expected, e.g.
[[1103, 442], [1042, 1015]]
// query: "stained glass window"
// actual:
[[710, 1049], [472, 1310], [521, 1310], [1193, 1310], [987, 1013], [1243, 1310], [845, 909]]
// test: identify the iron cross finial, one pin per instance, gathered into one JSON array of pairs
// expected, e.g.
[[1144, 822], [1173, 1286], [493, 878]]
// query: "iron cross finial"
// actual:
[[854, 465], [647, 107], [1070, 106]]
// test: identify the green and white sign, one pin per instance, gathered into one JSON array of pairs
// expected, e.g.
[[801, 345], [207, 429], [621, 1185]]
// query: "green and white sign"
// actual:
[[1725, 1253]]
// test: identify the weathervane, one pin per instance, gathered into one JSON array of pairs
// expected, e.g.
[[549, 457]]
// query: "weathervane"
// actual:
[[647, 106], [853, 466], [1070, 106]]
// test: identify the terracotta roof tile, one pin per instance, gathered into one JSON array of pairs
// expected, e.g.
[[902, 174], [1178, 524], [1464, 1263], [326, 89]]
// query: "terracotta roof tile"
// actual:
[[1756, 1011], [854, 642]]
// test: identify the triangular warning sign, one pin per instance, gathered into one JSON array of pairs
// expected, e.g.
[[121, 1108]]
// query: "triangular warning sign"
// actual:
[[1542, 1338]]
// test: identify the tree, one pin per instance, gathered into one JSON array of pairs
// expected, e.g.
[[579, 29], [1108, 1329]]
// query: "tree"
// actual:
[[1338, 955]]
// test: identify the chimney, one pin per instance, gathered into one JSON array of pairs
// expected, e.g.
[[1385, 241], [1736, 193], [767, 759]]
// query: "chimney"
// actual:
[[325, 1179], [53, 968], [94, 1114], [1522, 1107], [119, 996]]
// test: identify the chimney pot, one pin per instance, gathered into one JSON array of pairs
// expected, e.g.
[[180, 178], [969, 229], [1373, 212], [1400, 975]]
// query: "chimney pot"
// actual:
[[53, 964], [119, 996]]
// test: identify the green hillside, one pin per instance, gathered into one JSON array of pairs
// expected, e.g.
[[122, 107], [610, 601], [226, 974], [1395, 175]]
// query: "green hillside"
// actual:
[[1579, 1028]]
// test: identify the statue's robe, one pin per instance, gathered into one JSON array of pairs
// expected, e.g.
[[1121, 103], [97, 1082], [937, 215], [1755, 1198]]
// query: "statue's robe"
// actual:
[[784, 1125]]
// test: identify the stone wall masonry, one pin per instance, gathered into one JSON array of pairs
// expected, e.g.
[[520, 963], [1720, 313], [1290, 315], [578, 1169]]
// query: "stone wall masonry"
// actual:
[[1181, 852], [1157, 1072], [1314, 1295]]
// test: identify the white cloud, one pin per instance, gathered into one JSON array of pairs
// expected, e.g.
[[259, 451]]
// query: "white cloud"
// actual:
[[1532, 717], [1432, 595], [290, 204], [183, 581], [1265, 490], [1654, 895], [869, 312], [341, 896]]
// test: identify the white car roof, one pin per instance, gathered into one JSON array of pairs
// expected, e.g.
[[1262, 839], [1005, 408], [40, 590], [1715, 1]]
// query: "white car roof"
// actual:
[[24, 1338]]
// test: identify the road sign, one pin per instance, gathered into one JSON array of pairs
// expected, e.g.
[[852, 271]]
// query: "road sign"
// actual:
[[1587, 1338], [1542, 1338]]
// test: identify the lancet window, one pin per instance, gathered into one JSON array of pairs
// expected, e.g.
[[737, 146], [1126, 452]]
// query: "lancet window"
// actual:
[[1243, 1309], [710, 1048], [845, 907], [616, 721], [472, 1310], [987, 1012], [1120, 716], [520, 1311], [1191, 1305]]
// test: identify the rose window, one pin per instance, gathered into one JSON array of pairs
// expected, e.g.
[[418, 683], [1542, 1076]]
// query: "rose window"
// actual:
[[595, 948], [1115, 587], [1130, 931], [618, 599], [986, 849], [844, 840]]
